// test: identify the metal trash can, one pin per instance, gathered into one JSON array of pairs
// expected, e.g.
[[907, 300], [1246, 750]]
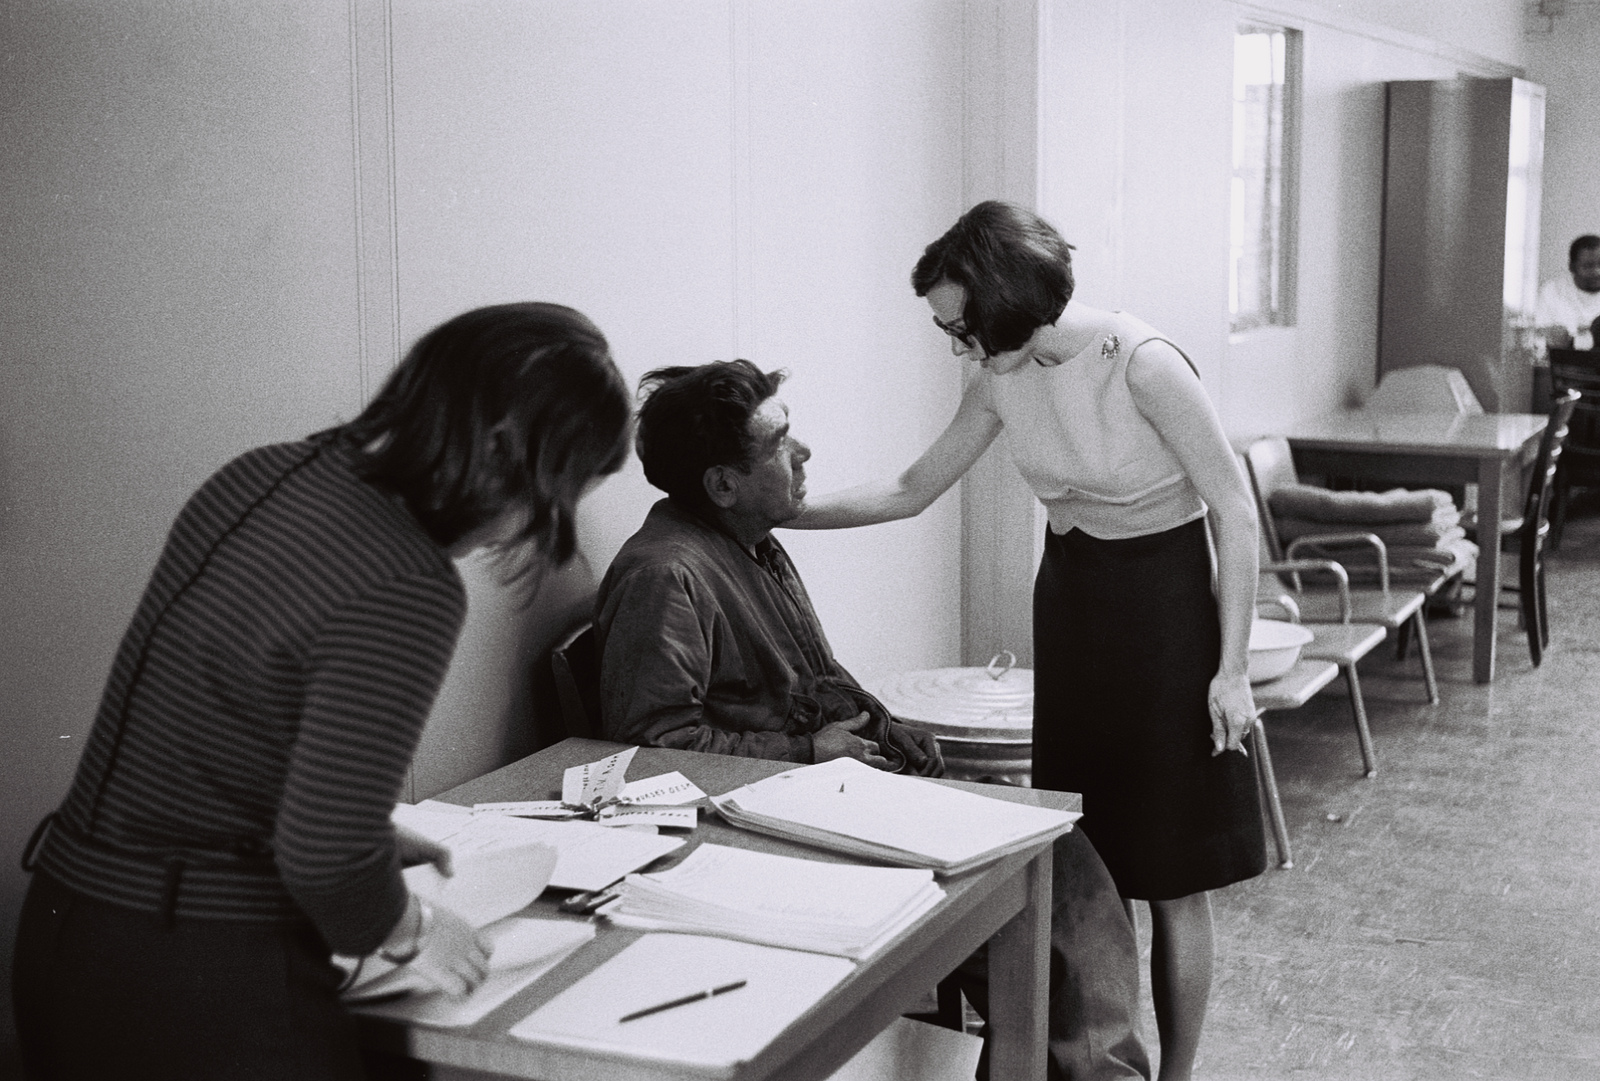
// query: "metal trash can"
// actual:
[[982, 717]]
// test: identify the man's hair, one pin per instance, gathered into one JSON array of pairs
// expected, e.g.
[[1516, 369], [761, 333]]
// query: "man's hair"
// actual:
[[516, 406], [1014, 266], [694, 418], [1581, 245]]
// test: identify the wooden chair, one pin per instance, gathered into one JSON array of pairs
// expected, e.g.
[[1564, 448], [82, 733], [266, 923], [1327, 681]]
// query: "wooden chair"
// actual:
[[575, 664], [1580, 461], [1531, 530], [1270, 466]]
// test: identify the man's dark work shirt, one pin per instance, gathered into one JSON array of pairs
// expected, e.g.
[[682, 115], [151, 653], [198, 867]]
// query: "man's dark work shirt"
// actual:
[[707, 647]]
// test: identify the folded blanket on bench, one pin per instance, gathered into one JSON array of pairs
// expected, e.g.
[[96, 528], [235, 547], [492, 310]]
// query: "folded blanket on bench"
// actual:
[[1315, 504]]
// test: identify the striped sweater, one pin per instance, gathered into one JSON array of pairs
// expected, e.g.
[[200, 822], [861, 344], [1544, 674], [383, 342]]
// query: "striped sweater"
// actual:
[[264, 705]]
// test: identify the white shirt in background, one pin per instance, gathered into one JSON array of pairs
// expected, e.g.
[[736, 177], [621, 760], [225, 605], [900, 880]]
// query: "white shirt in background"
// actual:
[[1561, 303]]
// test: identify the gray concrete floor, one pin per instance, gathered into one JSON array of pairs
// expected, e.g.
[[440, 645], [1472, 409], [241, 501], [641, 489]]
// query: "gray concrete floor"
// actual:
[[1442, 920]]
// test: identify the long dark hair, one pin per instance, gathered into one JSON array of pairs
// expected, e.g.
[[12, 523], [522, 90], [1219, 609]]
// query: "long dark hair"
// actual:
[[504, 407], [1015, 267]]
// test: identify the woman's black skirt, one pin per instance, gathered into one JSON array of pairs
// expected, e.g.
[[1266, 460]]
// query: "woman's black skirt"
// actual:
[[1126, 642]]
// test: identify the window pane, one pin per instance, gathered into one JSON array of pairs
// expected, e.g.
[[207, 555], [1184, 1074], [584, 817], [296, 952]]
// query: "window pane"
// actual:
[[1259, 286]]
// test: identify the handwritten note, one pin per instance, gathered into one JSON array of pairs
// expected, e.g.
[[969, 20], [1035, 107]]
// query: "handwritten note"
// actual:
[[682, 818], [529, 808], [663, 790]]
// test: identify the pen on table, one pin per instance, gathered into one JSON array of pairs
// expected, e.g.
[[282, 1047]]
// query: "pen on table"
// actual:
[[710, 992]]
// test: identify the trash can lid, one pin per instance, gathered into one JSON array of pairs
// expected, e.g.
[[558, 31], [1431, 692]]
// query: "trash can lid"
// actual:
[[990, 705]]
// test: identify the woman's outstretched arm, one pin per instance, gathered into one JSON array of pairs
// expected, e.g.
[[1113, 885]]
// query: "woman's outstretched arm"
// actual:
[[966, 437], [1170, 396]]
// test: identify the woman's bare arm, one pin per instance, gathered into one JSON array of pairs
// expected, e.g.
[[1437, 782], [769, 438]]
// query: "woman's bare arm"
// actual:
[[1169, 395], [966, 437]]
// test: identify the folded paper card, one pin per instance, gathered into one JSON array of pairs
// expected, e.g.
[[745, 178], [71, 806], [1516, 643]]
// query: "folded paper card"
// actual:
[[711, 1035], [595, 784], [596, 790]]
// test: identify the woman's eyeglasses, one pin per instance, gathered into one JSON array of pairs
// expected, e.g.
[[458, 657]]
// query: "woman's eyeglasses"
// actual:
[[960, 334]]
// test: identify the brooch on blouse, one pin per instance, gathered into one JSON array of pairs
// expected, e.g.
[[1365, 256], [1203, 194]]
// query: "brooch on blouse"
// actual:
[[1109, 347]]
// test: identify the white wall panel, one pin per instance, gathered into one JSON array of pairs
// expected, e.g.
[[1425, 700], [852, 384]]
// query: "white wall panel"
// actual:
[[176, 286]]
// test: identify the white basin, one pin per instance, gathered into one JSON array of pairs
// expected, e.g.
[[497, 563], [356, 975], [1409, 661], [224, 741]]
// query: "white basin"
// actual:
[[1274, 647]]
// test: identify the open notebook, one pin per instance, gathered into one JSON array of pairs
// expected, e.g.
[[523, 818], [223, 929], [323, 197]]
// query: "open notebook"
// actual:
[[850, 807], [712, 1035]]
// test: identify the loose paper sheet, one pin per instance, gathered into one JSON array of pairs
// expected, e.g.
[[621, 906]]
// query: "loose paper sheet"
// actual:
[[521, 950], [489, 883], [588, 857]]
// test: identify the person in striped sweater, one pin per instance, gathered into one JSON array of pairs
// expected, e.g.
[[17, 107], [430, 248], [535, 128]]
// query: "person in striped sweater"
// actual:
[[228, 826]]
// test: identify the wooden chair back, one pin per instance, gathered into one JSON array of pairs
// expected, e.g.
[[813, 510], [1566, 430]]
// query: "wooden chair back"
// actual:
[[575, 664], [1536, 525], [1580, 460], [1536, 510]]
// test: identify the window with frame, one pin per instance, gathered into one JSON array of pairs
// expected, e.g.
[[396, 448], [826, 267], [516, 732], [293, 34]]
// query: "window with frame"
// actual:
[[1262, 251]]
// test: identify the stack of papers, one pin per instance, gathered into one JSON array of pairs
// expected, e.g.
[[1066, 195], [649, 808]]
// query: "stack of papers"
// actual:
[[588, 857], [711, 1035], [848, 806], [837, 908]]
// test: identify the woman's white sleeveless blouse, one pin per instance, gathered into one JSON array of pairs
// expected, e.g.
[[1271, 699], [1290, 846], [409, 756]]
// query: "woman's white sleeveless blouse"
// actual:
[[1084, 448]]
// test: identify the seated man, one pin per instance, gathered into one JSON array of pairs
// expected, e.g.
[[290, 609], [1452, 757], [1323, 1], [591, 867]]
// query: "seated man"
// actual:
[[708, 642], [1568, 305]]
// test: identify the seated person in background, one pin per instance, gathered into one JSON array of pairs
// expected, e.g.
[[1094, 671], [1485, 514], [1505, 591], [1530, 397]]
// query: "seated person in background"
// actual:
[[708, 641], [1568, 306]]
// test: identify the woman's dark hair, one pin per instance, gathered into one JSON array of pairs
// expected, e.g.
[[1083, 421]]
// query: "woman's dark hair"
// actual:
[[694, 418], [1016, 269], [515, 406], [1581, 245]]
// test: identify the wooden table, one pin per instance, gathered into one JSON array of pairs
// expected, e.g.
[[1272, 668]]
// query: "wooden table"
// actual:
[[1432, 448], [1008, 902]]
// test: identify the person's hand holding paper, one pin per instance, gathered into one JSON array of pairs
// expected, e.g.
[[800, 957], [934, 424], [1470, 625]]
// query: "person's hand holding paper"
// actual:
[[466, 890], [487, 884]]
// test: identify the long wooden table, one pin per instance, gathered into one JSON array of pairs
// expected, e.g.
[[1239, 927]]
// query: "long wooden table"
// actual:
[[1006, 903], [1432, 448]]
